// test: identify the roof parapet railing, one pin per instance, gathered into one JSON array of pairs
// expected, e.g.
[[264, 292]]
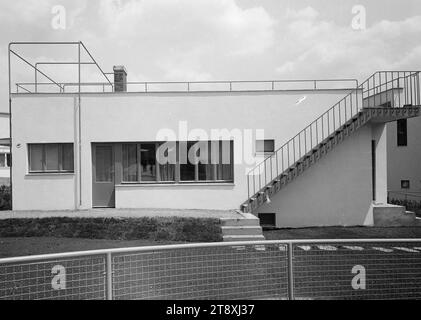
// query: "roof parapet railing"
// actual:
[[228, 85]]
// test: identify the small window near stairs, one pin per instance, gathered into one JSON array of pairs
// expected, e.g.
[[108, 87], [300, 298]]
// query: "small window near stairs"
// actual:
[[267, 220], [265, 146]]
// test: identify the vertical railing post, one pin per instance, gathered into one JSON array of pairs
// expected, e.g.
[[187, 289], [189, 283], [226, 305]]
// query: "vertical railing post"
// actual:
[[290, 272], [109, 273]]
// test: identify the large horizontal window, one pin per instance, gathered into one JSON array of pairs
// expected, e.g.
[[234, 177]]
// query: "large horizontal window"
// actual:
[[140, 164], [192, 161], [50, 157]]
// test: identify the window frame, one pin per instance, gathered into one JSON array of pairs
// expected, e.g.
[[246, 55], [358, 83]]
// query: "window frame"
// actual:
[[177, 170], [265, 152], [44, 169], [403, 182]]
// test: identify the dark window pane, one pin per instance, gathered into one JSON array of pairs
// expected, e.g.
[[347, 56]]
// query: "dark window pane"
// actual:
[[2, 160], [402, 132], [206, 168], [405, 184], [9, 159], [67, 157], [148, 161], [187, 168], [225, 167], [104, 164], [51, 157], [130, 162], [35, 157], [265, 146], [166, 157]]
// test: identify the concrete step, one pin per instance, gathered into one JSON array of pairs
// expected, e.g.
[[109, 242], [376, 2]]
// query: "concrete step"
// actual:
[[243, 238], [241, 230], [232, 222]]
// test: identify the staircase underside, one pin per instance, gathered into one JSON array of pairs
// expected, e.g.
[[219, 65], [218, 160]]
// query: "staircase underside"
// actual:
[[366, 115]]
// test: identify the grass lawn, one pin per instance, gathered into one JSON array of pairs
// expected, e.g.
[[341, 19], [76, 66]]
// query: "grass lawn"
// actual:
[[13, 247], [343, 233], [22, 246]]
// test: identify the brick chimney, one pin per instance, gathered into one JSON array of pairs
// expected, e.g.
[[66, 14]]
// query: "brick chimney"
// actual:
[[120, 79]]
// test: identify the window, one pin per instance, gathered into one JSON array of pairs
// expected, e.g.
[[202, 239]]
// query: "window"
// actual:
[[192, 161], [3, 160], [8, 160], [140, 163], [402, 131], [265, 146], [51, 157], [267, 219], [405, 184]]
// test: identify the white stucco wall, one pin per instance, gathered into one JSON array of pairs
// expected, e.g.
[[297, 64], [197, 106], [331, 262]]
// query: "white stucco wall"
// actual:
[[337, 190], [404, 162], [139, 117]]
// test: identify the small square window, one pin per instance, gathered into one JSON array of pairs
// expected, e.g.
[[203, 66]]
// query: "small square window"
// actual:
[[405, 184], [265, 146], [267, 219]]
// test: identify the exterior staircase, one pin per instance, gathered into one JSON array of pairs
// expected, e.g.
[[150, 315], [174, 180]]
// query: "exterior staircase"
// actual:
[[246, 228], [384, 97]]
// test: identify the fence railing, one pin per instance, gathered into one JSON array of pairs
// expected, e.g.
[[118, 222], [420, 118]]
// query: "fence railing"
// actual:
[[386, 88], [294, 269], [187, 86]]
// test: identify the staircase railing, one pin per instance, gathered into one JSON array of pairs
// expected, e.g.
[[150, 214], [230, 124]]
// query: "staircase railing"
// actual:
[[383, 89]]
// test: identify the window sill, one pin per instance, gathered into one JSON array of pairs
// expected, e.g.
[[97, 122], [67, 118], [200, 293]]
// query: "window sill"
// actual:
[[173, 184], [36, 174], [257, 154]]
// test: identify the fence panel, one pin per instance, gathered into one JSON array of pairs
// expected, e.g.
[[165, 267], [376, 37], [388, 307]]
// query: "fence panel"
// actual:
[[224, 272], [369, 270], [73, 278]]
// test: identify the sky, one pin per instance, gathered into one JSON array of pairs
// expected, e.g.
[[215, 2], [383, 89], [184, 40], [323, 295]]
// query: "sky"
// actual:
[[191, 40]]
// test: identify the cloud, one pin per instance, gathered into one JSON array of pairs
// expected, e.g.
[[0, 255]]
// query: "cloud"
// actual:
[[185, 35], [323, 48]]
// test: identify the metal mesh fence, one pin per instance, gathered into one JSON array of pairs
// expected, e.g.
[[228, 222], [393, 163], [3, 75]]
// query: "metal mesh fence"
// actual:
[[357, 270], [313, 269], [63, 279], [231, 272]]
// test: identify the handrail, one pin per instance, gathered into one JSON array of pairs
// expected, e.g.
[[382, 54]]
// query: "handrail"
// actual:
[[315, 132], [198, 245], [272, 85]]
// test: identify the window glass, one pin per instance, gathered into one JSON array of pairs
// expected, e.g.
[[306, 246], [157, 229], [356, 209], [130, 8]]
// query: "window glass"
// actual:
[[167, 168], [36, 157], [187, 165], [224, 168], [67, 157], [2, 160], [265, 146], [51, 157], [9, 159], [148, 161], [206, 168], [130, 162], [402, 132]]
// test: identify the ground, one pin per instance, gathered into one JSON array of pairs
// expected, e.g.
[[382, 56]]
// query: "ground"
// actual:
[[344, 233], [15, 246]]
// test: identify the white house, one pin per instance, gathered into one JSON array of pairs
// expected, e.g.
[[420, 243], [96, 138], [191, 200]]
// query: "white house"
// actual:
[[404, 158], [199, 145], [5, 159]]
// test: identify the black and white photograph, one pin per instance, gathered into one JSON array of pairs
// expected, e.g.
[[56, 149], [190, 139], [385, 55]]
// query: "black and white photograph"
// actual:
[[210, 154]]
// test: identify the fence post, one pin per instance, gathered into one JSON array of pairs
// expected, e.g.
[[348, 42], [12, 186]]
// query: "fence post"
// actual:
[[290, 273], [109, 273]]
